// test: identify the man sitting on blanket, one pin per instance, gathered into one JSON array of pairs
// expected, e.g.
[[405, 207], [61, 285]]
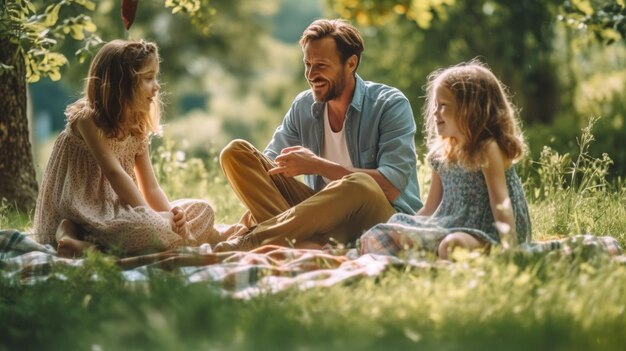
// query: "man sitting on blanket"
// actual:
[[352, 140]]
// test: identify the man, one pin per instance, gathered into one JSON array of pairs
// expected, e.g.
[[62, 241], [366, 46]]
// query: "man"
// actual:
[[353, 142]]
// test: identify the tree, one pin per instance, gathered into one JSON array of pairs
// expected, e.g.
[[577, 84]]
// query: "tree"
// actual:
[[17, 174], [26, 39], [606, 19], [558, 73], [515, 37], [29, 38], [414, 37]]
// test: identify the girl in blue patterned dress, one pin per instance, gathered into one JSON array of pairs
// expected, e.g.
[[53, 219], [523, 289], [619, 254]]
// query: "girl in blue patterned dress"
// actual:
[[476, 198]]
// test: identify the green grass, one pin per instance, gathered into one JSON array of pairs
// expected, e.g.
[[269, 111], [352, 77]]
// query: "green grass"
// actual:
[[505, 301]]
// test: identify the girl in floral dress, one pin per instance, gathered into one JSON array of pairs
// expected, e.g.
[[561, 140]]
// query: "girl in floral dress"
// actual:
[[99, 188]]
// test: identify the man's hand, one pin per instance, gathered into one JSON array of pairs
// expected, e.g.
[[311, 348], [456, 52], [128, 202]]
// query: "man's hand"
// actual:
[[294, 161]]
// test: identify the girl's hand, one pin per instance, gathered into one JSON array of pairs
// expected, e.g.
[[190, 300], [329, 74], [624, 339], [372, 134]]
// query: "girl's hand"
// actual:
[[508, 240], [508, 236], [179, 221]]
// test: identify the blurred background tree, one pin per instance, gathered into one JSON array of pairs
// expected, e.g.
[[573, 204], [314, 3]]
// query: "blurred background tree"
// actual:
[[552, 55], [28, 36], [235, 75]]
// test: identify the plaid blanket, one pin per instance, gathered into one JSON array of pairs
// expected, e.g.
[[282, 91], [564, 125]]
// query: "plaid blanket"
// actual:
[[268, 269]]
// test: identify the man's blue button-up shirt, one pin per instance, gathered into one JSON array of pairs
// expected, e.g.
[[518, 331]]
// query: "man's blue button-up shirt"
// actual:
[[379, 130]]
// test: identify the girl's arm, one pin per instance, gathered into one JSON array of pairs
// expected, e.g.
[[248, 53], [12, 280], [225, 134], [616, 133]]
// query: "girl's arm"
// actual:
[[501, 207], [435, 193], [154, 194], [148, 184], [121, 182]]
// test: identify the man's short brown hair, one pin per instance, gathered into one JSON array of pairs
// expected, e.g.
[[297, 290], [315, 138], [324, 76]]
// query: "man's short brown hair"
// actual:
[[347, 37]]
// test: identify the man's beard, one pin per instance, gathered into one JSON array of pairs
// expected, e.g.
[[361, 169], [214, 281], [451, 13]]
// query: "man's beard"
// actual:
[[335, 89]]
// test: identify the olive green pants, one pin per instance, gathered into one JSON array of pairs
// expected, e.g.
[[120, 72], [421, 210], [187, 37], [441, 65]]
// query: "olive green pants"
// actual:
[[284, 211]]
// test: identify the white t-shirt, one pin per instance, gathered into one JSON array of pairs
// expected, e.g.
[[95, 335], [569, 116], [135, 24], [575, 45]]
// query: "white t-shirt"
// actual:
[[335, 148]]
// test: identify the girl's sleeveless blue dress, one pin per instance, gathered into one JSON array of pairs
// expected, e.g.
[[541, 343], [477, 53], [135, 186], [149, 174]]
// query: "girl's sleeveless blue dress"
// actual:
[[464, 207]]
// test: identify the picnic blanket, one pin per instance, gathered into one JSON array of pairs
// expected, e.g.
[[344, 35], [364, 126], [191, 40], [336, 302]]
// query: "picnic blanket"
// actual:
[[268, 269]]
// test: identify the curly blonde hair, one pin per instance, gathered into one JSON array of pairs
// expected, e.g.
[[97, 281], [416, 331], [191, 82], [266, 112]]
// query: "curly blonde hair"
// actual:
[[484, 112], [110, 89]]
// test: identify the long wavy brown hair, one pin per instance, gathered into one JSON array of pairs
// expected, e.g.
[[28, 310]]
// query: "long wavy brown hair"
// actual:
[[110, 91], [485, 112]]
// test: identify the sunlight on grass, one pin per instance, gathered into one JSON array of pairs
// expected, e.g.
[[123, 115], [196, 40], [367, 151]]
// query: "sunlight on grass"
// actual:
[[506, 301], [512, 302]]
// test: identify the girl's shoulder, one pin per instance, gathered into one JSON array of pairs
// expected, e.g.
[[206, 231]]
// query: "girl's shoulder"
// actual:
[[79, 109], [77, 113], [441, 165], [433, 159], [493, 154]]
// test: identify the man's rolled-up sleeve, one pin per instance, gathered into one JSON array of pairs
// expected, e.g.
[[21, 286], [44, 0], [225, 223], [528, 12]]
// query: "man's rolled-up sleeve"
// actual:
[[285, 135], [396, 146]]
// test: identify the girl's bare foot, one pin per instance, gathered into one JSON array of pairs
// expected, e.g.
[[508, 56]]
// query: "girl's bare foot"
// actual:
[[230, 231], [245, 242], [308, 245], [68, 244]]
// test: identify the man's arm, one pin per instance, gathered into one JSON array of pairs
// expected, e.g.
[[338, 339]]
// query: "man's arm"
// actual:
[[285, 135], [299, 160], [395, 157]]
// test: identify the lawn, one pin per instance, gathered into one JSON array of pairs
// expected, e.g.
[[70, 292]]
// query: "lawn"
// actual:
[[504, 301]]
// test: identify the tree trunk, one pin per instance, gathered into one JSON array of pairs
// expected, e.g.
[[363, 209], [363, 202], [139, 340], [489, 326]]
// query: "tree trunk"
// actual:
[[17, 172]]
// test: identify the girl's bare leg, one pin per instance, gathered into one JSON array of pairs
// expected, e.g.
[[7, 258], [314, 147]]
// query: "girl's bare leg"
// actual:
[[68, 244], [458, 239]]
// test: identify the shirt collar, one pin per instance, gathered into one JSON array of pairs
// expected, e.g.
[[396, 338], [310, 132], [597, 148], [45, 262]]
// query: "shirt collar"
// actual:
[[317, 109]]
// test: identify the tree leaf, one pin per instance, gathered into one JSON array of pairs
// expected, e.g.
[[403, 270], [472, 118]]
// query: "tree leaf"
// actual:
[[89, 26], [77, 32], [90, 5], [584, 6], [51, 15], [54, 75], [30, 6]]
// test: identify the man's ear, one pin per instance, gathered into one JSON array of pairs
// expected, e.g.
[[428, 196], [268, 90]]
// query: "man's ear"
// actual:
[[352, 62]]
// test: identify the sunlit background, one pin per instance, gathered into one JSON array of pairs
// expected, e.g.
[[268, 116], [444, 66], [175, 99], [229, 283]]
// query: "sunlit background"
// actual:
[[239, 80]]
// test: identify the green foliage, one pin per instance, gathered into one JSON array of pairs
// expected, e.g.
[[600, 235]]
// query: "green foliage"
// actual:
[[219, 37], [11, 217], [35, 33], [574, 194], [200, 12], [402, 54], [182, 177], [512, 302], [605, 19], [554, 73], [368, 13], [508, 300], [293, 17], [586, 174], [38, 29]]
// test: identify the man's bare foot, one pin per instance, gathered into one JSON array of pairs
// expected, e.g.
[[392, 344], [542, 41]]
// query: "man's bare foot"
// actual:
[[68, 244]]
